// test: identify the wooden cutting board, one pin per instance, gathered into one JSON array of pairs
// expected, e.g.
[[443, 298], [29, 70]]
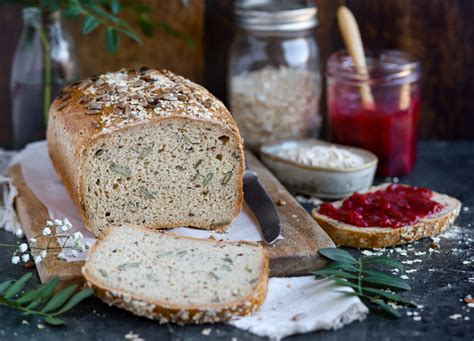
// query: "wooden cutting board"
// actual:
[[296, 254]]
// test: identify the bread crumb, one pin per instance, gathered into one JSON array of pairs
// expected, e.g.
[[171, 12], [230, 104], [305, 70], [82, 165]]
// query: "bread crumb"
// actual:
[[281, 202], [206, 331], [132, 336]]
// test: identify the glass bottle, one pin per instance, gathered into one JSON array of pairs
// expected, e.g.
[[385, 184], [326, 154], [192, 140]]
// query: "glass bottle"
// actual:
[[274, 79], [388, 127], [44, 62]]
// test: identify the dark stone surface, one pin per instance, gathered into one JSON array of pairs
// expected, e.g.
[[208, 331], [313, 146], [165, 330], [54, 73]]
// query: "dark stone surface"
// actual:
[[439, 284]]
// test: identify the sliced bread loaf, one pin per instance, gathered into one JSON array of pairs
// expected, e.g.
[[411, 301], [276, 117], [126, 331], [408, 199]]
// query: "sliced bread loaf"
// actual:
[[179, 279], [344, 234], [147, 148]]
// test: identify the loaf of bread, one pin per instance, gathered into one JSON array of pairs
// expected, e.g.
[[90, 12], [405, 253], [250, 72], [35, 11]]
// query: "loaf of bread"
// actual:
[[148, 148], [172, 278]]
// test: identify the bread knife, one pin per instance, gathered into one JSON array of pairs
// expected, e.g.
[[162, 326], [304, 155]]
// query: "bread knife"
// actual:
[[262, 207]]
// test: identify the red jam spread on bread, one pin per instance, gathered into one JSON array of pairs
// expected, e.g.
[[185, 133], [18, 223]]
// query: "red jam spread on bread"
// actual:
[[393, 207]]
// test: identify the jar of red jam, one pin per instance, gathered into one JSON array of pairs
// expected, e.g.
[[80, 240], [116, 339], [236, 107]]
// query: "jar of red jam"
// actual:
[[384, 120]]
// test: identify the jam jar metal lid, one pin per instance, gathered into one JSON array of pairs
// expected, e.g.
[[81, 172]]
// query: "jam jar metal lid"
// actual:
[[275, 15]]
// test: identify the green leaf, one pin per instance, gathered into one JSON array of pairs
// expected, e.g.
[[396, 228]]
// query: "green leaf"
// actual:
[[59, 299], [342, 266], [387, 281], [54, 321], [394, 263], [131, 34], [17, 286], [346, 283], [335, 272], [31, 294], [4, 286], [72, 11], [389, 296], [115, 6], [338, 255], [49, 288], [146, 25], [111, 39], [76, 299], [34, 303], [386, 307], [90, 24]]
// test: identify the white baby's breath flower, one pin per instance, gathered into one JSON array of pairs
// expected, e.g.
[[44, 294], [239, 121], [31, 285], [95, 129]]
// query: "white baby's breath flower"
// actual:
[[61, 255], [25, 258], [74, 253], [64, 228], [82, 247], [67, 223], [88, 245], [38, 259], [58, 222], [15, 259], [49, 223], [23, 247], [46, 231], [19, 233], [43, 253], [33, 241], [77, 235]]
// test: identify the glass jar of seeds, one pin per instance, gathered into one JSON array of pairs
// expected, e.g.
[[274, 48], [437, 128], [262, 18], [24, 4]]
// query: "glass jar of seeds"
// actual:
[[274, 79]]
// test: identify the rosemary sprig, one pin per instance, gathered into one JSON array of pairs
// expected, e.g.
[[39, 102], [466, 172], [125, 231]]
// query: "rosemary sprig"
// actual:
[[41, 301], [375, 287]]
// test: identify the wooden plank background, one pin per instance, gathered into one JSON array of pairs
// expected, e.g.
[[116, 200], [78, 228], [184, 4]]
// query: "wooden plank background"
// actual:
[[438, 32]]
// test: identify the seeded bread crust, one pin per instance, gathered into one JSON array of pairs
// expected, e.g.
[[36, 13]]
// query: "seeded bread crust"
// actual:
[[377, 237], [73, 127], [164, 312]]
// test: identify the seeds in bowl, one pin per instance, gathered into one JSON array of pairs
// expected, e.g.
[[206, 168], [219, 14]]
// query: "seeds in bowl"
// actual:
[[321, 156]]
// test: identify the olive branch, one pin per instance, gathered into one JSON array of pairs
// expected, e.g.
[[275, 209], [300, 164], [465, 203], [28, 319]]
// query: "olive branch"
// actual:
[[41, 301], [374, 286]]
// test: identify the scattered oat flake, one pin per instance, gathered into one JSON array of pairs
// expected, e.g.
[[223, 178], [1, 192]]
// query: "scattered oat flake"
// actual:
[[470, 305], [466, 262], [455, 316], [25, 322], [404, 277], [417, 318], [411, 271], [133, 336], [206, 331], [367, 252], [40, 326]]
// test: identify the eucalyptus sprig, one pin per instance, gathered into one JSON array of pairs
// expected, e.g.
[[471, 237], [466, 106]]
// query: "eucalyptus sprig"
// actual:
[[374, 286], [41, 301]]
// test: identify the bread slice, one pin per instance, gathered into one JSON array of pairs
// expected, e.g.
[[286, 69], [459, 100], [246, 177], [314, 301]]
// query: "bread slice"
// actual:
[[147, 148], [179, 279], [375, 237]]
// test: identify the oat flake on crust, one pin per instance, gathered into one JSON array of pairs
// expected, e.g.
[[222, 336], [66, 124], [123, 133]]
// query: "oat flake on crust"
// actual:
[[128, 96]]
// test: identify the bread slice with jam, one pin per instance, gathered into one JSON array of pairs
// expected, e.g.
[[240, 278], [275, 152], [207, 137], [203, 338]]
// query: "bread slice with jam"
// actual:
[[346, 234], [172, 278]]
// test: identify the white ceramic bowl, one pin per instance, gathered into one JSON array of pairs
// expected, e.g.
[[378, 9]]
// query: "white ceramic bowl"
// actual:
[[329, 183]]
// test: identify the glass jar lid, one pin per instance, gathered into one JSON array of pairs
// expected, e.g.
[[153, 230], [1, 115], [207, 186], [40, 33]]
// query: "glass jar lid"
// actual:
[[281, 15]]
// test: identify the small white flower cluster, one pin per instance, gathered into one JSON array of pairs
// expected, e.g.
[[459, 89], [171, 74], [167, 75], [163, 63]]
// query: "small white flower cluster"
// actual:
[[54, 229]]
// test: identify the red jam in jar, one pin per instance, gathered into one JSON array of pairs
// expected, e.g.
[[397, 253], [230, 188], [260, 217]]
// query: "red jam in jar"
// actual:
[[393, 207], [388, 128]]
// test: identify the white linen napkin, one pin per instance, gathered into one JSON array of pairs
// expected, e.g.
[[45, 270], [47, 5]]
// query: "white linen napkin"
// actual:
[[300, 305], [292, 306]]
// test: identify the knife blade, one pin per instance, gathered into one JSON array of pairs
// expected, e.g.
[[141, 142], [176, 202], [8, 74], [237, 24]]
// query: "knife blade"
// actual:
[[262, 207]]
